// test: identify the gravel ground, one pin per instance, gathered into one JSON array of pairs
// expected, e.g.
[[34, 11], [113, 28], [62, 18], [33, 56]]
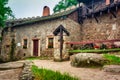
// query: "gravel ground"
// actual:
[[81, 73], [12, 74]]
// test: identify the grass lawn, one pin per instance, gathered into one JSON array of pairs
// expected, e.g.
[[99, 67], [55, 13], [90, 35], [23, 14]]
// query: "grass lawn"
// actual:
[[95, 51], [45, 74], [112, 59], [38, 58]]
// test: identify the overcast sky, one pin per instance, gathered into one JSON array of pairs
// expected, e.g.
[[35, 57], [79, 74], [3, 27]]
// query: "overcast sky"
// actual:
[[30, 8]]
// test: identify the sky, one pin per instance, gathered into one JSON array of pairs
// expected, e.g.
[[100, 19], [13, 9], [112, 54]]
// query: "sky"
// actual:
[[30, 8]]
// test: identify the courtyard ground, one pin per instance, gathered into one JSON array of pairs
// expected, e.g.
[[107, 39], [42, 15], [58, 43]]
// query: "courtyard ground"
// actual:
[[63, 67], [12, 74], [81, 73], [10, 70]]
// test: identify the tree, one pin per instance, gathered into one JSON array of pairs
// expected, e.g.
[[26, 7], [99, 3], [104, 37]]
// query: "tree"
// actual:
[[5, 12], [63, 4]]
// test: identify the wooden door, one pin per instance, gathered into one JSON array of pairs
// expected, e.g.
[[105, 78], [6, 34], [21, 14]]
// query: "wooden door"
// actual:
[[35, 47]]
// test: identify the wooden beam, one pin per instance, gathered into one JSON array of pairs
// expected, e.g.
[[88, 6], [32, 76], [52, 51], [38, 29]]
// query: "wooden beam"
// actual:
[[96, 19], [113, 13]]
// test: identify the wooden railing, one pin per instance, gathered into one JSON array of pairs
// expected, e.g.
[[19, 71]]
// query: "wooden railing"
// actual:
[[97, 41], [95, 44], [97, 6]]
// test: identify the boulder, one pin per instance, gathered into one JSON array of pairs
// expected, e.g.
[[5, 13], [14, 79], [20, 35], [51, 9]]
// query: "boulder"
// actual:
[[11, 65], [87, 60]]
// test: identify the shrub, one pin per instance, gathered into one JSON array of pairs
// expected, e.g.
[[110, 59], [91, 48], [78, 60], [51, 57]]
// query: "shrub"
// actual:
[[44, 74], [12, 50], [103, 46], [0, 38], [88, 46]]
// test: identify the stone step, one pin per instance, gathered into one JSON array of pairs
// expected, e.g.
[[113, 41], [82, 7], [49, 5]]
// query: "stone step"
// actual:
[[112, 68], [11, 65]]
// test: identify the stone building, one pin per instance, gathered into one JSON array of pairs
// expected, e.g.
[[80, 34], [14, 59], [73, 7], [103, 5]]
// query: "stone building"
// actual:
[[34, 36]]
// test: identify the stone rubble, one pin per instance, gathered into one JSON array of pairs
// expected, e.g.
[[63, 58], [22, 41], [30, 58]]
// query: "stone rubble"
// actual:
[[26, 72]]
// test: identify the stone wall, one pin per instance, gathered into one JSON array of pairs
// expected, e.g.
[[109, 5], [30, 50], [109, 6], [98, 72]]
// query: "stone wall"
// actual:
[[6, 46], [43, 30], [107, 28], [74, 16]]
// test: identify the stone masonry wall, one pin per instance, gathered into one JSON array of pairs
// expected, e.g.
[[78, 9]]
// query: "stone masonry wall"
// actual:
[[43, 30], [107, 28]]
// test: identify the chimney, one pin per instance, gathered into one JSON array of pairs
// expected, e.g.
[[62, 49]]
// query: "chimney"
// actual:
[[46, 11], [107, 2]]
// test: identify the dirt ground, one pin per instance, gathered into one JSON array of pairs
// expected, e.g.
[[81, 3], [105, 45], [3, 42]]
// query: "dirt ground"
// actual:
[[81, 73], [12, 74]]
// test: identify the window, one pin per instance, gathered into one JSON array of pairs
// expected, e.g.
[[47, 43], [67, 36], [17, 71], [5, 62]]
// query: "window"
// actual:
[[50, 42], [25, 43]]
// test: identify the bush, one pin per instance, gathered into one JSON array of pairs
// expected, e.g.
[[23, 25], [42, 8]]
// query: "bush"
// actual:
[[1, 61], [0, 38], [103, 46], [44, 74], [88, 46]]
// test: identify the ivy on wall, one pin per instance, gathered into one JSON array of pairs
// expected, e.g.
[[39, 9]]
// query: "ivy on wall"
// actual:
[[12, 50]]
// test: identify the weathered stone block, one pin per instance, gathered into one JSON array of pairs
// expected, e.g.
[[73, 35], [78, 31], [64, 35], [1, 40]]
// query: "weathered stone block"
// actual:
[[87, 59], [112, 68]]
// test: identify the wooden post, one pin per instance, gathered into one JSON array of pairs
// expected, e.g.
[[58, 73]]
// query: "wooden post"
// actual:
[[61, 42], [60, 31]]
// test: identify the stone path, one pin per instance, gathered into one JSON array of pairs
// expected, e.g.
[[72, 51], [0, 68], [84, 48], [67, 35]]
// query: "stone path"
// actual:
[[10, 70], [82, 73]]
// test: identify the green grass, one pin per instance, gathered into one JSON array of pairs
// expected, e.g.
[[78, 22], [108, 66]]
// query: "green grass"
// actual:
[[44, 74], [112, 59], [38, 58], [95, 51]]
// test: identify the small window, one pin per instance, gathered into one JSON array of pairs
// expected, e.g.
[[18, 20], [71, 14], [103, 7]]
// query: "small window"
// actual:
[[25, 44], [50, 42]]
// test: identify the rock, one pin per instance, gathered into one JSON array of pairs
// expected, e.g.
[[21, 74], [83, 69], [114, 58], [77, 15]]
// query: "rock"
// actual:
[[112, 68], [11, 65], [26, 72], [87, 59]]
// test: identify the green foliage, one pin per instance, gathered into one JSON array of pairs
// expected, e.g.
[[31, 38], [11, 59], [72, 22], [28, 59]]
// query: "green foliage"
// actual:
[[44, 74], [0, 38], [87, 46], [103, 46], [112, 59], [63, 4], [38, 58], [1, 61], [12, 51], [5, 12], [95, 51]]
